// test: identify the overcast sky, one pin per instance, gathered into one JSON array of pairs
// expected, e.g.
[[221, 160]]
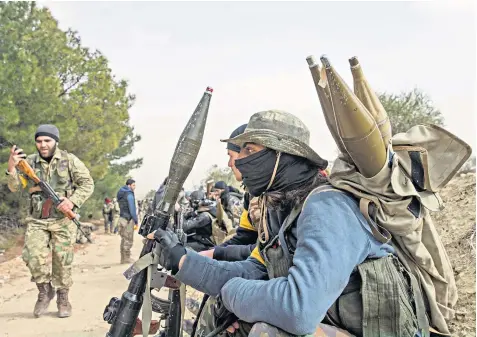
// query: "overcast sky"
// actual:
[[253, 55]]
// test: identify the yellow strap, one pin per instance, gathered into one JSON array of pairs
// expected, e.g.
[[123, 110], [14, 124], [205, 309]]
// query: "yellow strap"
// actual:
[[256, 255], [245, 223]]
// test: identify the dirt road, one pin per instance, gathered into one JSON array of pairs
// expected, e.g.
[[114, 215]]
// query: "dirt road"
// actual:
[[98, 277]]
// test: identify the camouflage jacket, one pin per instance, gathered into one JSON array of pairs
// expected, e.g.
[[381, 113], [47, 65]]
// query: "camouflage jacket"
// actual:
[[66, 174]]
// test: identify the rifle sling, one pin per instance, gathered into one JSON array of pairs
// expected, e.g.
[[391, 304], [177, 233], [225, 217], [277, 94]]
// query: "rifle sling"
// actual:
[[147, 304], [150, 261]]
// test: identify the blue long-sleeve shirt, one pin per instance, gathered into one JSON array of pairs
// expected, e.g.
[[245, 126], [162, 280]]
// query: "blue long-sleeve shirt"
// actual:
[[132, 207], [332, 239]]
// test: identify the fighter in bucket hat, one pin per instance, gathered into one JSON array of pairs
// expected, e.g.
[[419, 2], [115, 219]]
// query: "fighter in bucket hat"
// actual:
[[314, 247]]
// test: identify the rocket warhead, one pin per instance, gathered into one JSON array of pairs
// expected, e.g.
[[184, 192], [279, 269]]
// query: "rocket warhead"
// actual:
[[323, 91], [368, 97], [186, 153], [356, 126]]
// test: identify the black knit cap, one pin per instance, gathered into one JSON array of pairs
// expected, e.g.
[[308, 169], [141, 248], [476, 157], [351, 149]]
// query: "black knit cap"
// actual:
[[235, 133], [48, 130]]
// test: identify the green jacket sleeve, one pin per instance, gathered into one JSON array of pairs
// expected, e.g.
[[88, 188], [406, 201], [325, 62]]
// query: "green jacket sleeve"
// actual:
[[82, 180]]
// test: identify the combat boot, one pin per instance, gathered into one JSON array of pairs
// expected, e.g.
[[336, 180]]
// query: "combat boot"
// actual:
[[64, 306], [45, 295], [126, 258]]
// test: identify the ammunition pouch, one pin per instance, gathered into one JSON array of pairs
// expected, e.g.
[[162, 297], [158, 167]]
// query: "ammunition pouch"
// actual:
[[221, 230], [381, 299], [61, 181], [277, 261], [42, 207]]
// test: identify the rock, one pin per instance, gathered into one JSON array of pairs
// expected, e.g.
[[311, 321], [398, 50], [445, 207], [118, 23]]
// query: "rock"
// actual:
[[84, 270]]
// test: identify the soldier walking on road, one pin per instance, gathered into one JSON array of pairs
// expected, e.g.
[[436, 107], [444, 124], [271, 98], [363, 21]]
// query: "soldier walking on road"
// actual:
[[127, 219], [115, 215], [107, 208], [48, 229]]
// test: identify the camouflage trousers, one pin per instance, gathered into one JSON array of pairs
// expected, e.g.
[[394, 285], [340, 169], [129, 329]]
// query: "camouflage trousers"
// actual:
[[126, 231], [115, 223], [108, 225], [57, 236], [206, 325]]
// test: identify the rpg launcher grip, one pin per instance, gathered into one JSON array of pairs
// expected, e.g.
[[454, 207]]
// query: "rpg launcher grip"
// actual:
[[122, 313]]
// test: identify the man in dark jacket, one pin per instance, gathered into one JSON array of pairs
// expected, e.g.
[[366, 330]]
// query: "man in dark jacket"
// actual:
[[159, 193], [198, 223], [230, 201], [127, 219]]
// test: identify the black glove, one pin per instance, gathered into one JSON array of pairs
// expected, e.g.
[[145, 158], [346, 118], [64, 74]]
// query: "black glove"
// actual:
[[222, 317], [190, 214], [170, 249]]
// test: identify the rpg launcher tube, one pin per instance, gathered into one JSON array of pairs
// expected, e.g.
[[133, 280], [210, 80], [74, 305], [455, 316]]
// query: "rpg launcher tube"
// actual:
[[323, 91], [182, 162], [186, 153], [368, 97], [356, 126]]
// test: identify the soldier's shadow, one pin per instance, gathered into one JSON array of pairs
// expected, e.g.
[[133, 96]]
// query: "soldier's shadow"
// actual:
[[26, 315], [15, 315]]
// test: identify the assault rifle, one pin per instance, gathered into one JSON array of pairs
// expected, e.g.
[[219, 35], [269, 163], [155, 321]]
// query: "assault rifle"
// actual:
[[27, 170], [123, 313]]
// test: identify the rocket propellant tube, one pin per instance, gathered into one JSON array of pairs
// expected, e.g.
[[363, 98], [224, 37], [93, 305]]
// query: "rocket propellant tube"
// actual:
[[368, 97], [323, 91], [356, 126], [182, 162]]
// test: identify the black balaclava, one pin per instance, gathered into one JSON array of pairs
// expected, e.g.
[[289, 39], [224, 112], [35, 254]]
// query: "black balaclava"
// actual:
[[257, 171]]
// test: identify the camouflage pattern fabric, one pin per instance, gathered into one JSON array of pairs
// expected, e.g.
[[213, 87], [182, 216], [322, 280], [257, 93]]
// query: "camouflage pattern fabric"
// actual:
[[66, 174], [69, 177], [206, 319], [193, 300], [235, 208], [206, 325], [126, 231], [266, 330], [107, 209], [115, 213], [115, 223], [60, 235]]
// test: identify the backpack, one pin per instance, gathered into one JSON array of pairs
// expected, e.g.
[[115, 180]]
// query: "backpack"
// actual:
[[398, 201]]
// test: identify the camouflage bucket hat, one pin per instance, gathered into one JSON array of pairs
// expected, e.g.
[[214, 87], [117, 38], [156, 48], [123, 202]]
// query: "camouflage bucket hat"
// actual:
[[280, 131]]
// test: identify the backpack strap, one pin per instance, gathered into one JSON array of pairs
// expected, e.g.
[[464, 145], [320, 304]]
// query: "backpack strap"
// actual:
[[379, 233]]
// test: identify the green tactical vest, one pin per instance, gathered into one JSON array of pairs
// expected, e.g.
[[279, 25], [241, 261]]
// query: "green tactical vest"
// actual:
[[381, 299], [58, 175]]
